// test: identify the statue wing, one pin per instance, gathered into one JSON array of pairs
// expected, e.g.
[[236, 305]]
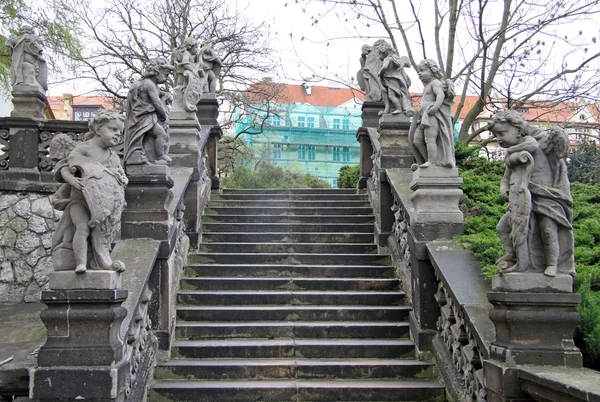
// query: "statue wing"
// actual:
[[61, 146]]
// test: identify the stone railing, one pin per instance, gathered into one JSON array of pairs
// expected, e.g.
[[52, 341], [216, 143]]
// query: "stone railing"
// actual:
[[450, 322], [135, 325]]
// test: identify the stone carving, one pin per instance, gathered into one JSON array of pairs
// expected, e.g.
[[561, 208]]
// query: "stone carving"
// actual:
[[146, 129], [138, 338], [360, 75], [462, 346], [431, 133], [210, 63], [190, 80], [536, 231], [4, 148], [394, 80], [91, 198], [28, 66], [370, 71]]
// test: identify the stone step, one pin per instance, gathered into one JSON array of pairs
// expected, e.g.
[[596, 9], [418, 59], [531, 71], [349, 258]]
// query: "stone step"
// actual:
[[288, 271], [292, 313], [224, 369], [283, 330], [290, 197], [301, 348], [307, 219], [329, 298], [321, 248], [283, 237], [289, 258], [268, 191], [242, 204], [234, 227], [289, 390], [290, 284], [288, 211]]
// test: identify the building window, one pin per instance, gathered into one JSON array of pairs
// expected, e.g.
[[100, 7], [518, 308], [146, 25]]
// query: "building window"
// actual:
[[346, 154], [334, 183], [301, 152], [336, 123], [84, 113], [301, 121], [276, 121], [312, 153], [310, 122], [522, 110], [276, 151], [336, 153], [346, 124]]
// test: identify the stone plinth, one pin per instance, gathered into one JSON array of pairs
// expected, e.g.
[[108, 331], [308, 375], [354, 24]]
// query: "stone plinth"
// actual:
[[29, 102], [395, 151], [90, 279], [82, 357], [208, 110], [370, 113], [436, 193], [532, 283]]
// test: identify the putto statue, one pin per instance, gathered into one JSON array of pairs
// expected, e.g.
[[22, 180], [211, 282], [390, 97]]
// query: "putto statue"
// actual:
[[394, 80], [431, 133], [536, 231], [28, 66], [146, 131], [371, 63], [189, 78], [92, 196], [211, 64]]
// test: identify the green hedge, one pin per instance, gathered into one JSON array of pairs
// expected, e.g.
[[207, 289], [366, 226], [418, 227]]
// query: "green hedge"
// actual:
[[483, 206], [349, 176], [267, 175]]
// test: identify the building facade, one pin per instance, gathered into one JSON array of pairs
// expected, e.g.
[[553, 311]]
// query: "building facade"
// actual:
[[310, 128]]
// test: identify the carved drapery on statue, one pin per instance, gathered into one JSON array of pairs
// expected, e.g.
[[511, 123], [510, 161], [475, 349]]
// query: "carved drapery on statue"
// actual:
[[371, 63], [147, 126], [536, 231], [211, 64], [431, 133], [190, 80], [28, 66], [395, 82], [92, 197]]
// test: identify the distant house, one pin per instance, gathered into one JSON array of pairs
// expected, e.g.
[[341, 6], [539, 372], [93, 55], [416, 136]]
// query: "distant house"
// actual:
[[79, 108], [310, 127]]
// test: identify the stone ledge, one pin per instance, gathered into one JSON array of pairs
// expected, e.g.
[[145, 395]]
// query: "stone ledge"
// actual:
[[560, 384]]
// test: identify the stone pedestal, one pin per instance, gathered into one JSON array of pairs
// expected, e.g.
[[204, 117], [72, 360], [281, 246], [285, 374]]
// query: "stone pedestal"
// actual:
[[28, 101], [435, 196], [370, 113], [91, 279], [82, 357], [185, 139], [395, 151]]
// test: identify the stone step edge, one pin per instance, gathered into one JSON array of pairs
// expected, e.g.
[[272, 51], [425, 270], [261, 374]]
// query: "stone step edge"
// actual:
[[243, 342], [183, 362], [217, 324], [354, 383]]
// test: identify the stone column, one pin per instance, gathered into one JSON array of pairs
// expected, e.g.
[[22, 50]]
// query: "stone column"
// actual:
[[213, 149], [29, 101], [370, 113], [366, 157], [83, 355], [535, 319]]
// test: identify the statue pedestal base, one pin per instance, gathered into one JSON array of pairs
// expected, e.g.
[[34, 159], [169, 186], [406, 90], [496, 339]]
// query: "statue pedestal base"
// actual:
[[532, 283], [29, 102], [370, 113], [90, 279], [394, 149], [83, 356], [436, 193], [185, 142]]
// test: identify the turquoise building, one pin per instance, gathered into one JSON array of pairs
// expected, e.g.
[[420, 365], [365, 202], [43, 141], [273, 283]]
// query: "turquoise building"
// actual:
[[308, 127]]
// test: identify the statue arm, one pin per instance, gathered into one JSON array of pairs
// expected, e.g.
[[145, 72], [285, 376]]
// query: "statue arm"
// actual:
[[154, 95], [438, 91], [505, 184]]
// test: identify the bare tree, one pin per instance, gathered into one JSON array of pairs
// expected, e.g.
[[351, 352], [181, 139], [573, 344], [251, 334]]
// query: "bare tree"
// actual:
[[513, 49]]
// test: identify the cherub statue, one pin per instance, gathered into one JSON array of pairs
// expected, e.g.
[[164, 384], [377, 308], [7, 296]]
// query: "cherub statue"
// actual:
[[190, 78], [146, 139], [431, 133], [91, 198], [536, 230], [28, 66], [360, 75], [394, 80], [211, 64]]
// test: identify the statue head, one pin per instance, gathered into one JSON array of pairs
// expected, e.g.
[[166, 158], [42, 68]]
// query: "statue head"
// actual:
[[102, 118], [27, 29], [366, 49], [208, 44], [189, 43], [509, 127], [431, 65], [384, 48], [158, 67]]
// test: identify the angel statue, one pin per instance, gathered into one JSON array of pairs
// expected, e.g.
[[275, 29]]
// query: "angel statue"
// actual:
[[190, 78], [28, 66], [536, 231], [395, 82], [91, 197]]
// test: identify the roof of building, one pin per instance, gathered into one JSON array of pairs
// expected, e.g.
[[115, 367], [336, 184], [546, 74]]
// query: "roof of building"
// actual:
[[314, 95], [105, 102]]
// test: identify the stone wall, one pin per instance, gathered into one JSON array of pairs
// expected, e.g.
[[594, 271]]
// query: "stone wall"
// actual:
[[27, 222]]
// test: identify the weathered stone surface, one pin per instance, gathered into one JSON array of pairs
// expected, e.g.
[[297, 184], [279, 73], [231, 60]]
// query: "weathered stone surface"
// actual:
[[35, 255], [42, 271], [532, 282], [37, 224], [90, 279], [8, 237], [22, 271], [42, 208], [8, 200], [46, 239], [22, 208], [11, 293], [17, 224], [32, 293], [6, 272], [27, 241]]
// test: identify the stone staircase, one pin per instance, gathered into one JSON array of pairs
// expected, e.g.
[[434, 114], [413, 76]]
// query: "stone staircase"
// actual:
[[288, 300]]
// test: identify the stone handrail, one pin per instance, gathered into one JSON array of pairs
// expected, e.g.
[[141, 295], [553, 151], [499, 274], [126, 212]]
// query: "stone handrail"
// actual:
[[450, 320]]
